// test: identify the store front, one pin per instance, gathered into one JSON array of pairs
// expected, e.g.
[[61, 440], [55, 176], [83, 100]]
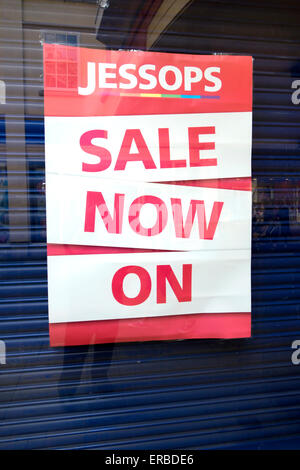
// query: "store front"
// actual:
[[149, 392]]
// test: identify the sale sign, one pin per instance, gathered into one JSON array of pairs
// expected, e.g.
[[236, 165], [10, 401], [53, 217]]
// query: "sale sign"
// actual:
[[148, 188], [163, 284], [151, 148]]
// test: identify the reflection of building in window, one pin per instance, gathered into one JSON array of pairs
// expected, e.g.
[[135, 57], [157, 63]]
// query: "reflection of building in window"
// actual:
[[297, 208], [61, 64], [276, 207]]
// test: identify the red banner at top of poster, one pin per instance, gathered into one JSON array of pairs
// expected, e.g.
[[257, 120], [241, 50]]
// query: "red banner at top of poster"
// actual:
[[90, 82]]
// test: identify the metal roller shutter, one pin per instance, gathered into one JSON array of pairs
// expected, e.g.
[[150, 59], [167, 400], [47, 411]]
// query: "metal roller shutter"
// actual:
[[190, 394]]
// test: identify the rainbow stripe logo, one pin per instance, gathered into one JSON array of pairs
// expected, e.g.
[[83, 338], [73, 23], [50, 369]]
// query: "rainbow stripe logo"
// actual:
[[160, 95]]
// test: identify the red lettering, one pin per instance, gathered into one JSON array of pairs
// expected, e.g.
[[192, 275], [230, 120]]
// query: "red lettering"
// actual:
[[164, 274], [164, 151], [113, 223], [134, 215], [143, 154], [96, 200], [102, 153], [118, 280], [196, 207], [195, 146]]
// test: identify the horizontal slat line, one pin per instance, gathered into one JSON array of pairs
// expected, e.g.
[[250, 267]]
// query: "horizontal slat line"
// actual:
[[239, 37], [292, 238], [43, 247], [221, 36], [42, 265], [244, 3], [38, 125], [90, 389], [163, 421], [290, 108], [42, 318], [40, 404], [255, 140], [287, 172], [272, 303], [130, 412], [25, 299], [36, 83], [132, 441], [116, 34], [32, 370], [257, 56], [173, 442], [31, 342], [283, 442], [39, 322], [41, 262], [26, 393], [33, 375], [10, 25], [256, 73], [205, 373], [29, 284], [253, 351], [37, 176], [158, 376], [70, 29], [29, 339], [242, 37], [249, 347], [137, 409], [157, 422], [31, 46], [40, 311], [39, 99]]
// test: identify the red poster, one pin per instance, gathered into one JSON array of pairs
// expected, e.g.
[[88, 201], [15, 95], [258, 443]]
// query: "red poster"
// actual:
[[148, 176]]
